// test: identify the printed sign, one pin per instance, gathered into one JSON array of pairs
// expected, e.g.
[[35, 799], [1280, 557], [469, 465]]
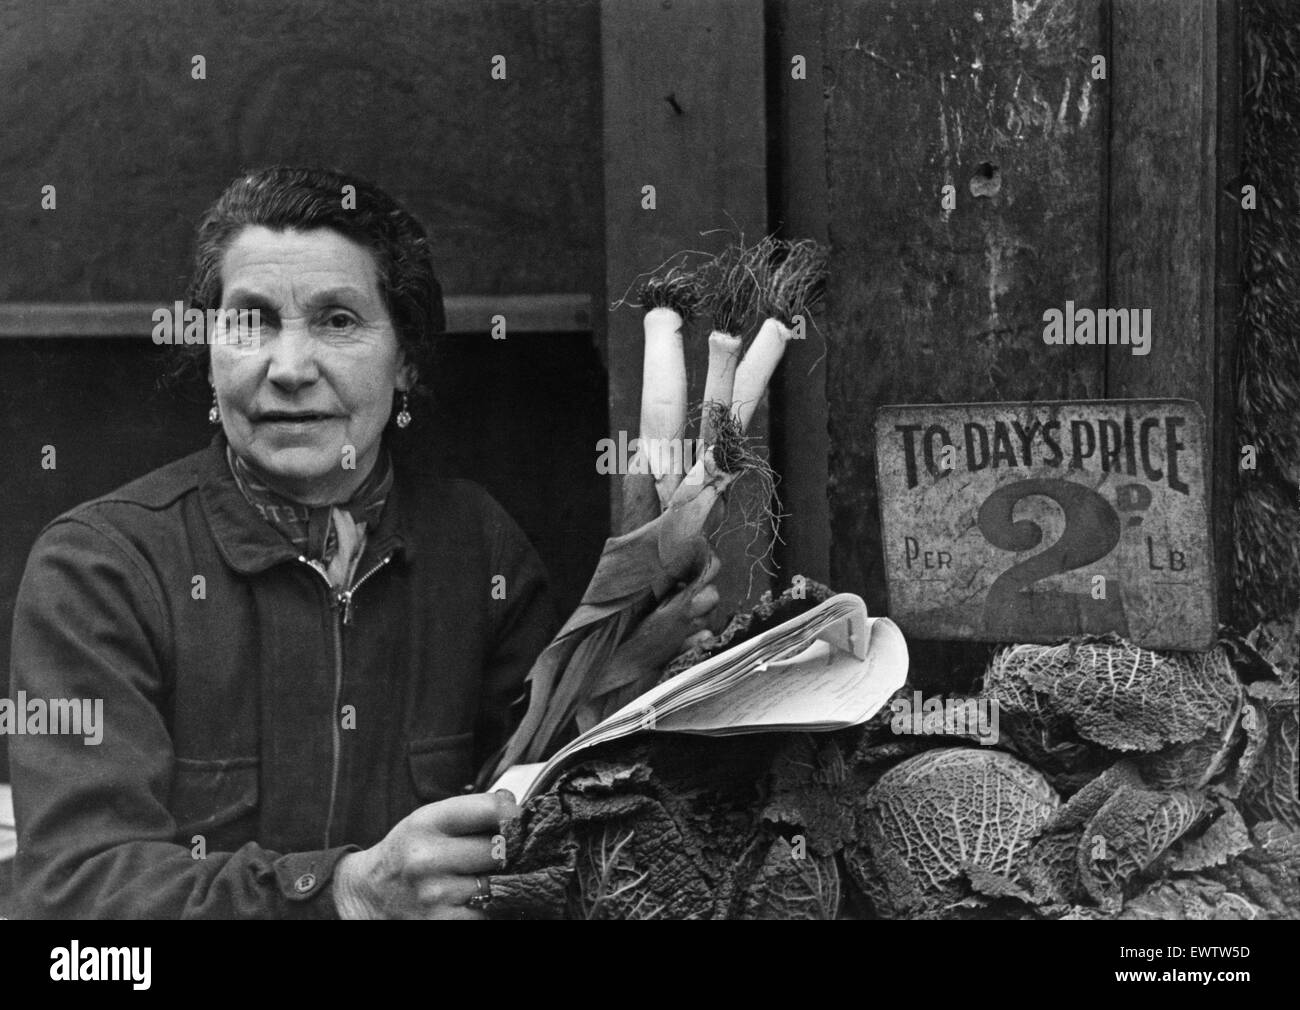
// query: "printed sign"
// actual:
[[1033, 522]]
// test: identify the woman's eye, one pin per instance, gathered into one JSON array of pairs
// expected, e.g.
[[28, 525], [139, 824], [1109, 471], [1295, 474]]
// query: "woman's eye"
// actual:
[[340, 321]]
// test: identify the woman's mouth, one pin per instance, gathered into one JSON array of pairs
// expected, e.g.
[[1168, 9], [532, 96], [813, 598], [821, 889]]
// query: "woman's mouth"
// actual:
[[293, 419]]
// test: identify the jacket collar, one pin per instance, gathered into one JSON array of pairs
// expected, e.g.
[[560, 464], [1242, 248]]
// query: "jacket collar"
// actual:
[[250, 544]]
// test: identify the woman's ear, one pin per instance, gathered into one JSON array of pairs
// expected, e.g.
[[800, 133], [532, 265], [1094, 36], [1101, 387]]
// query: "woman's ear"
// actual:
[[406, 378]]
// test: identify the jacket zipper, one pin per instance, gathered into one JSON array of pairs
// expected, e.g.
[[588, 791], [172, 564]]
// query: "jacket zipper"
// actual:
[[338, 600], [346, 598]]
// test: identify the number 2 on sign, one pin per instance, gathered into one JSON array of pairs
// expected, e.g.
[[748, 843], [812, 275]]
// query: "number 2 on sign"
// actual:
[[1092, 530]]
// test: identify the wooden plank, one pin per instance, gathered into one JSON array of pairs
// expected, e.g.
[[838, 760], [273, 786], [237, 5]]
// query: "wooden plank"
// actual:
[[546, 313], [928, 305], [1034, 522], [800, 444], [684, 112], [1165, 232], [98, 101], [1225, 448]]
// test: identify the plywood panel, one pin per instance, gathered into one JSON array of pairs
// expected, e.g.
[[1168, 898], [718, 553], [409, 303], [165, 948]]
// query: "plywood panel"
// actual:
[[684, 112], [1172, 214], [98, 100], [545, 313], [800, 444], [933, 305]]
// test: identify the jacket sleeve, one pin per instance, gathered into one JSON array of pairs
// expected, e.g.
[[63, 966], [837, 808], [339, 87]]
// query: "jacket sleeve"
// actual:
[[523, 623], [95, 836]]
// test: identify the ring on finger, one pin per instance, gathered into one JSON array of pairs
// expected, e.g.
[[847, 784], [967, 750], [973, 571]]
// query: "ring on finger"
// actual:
[[482, 896]]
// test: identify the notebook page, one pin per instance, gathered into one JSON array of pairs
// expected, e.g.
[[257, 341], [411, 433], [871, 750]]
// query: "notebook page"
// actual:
[[822, 687]]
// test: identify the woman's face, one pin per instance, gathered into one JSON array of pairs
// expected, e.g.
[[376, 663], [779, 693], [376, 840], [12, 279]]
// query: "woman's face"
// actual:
[[306, 403]]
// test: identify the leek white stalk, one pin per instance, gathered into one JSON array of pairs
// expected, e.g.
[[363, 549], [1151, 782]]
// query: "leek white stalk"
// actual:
[[755, 370], [663, 400], [724, 356]]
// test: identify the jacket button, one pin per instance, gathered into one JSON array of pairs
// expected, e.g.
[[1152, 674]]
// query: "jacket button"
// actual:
[[467, 788], [305, 883]]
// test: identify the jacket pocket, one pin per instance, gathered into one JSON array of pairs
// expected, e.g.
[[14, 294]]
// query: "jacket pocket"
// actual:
[[213, 797], [441, 766]]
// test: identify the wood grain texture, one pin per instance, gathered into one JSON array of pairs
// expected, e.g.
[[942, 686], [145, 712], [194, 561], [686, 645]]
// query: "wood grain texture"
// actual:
[[707, 163], [98, 100], [546, 313], [1224, 434], [800, 444], [933, 306], [1169, 249], [1162, 208]]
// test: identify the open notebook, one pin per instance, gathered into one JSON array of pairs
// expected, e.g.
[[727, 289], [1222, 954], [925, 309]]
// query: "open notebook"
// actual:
[[829, 668]]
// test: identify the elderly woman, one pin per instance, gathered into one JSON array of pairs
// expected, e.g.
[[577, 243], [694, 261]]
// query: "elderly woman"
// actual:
[[305, 651]]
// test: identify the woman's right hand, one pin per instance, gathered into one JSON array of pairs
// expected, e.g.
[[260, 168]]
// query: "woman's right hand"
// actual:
[[425, 867]]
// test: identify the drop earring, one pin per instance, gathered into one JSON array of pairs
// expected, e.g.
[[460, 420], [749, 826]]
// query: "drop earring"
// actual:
[[214, 412], [404, 415]]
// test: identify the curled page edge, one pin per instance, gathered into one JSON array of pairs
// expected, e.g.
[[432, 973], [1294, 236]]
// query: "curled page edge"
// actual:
[[871, 680]]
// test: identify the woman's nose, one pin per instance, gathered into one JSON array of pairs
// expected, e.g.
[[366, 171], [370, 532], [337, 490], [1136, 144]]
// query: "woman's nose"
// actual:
[[292, 355]]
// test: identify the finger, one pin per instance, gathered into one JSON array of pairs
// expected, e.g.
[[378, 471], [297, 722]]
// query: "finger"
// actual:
[[463, 854], [703, 601], [479, 813], [460, 912], [702, 639], [673, 606], [447, 897], [434, 856], [507, 805], [694, 562], [709, 571]]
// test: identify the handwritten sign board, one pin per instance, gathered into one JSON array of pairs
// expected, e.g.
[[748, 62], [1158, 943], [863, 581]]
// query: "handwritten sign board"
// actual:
[[1032, 522]]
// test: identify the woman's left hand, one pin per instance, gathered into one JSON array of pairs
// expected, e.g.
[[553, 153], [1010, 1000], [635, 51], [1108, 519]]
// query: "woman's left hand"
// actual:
[[679, 619]]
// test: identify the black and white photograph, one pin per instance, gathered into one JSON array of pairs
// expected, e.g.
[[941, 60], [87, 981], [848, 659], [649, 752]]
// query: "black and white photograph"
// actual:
[[651, 460]]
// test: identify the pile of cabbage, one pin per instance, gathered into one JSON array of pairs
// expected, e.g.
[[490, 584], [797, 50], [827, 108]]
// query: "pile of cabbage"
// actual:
[[1126, 784], [1122, 783]]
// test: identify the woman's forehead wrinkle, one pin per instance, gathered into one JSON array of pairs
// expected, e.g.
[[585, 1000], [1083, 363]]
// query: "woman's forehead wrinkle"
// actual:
[[313, 292], [341, 293], [307, 267], [304, 290]]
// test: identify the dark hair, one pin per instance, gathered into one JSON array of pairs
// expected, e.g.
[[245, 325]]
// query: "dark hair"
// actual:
[[283, 197]]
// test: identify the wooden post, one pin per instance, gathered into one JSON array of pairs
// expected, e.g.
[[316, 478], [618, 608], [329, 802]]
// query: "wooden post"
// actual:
[[1224, 472], [684, 113], [1170, 244], [800, 444], [943, 303]]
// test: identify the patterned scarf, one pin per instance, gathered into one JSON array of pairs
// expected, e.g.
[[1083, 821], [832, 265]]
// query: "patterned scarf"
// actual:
[[331, 537]]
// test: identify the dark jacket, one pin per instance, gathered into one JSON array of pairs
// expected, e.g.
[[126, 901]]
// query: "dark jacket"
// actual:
[[256, 726]]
